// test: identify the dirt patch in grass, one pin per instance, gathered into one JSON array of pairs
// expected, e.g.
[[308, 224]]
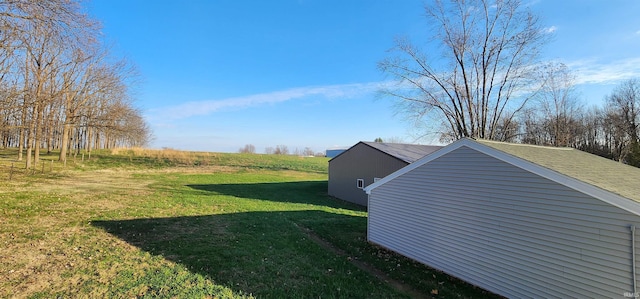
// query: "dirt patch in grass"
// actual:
[[101, 180], [94, 181], [30, 265], [97, 181], [211, 169]]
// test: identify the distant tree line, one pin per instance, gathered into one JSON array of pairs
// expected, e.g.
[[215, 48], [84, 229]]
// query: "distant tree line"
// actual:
[[561, 119], [394, 139], [248, 149], [60, 88], [280, 150]]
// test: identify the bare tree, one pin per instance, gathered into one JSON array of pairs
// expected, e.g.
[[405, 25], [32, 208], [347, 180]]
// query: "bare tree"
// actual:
[[395, 139], [281, 150], [59, 86], [269, 150], [623, 119], [42, 57], [91, 80], [248, 149], [9, 94], [595, 135], [557, 119], [307, 152], [41, 32], [485, 75], [507, 129]]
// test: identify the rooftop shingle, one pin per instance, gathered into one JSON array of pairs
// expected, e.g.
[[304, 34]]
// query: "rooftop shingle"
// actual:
[[405, 152], [603, 173]]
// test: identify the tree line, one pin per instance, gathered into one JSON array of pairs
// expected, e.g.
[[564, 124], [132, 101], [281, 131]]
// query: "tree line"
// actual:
[[562, 119], [60, 88], [281, 150], [483, 78]]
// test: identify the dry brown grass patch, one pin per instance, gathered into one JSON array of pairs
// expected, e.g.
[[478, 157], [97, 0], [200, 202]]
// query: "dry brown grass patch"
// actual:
[[181, 157]]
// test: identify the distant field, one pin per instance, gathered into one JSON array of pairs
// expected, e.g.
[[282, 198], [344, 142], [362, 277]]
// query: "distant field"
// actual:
[[194, 225]]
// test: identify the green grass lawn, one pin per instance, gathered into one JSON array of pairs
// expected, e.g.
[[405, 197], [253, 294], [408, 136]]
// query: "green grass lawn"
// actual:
[[261, 226]]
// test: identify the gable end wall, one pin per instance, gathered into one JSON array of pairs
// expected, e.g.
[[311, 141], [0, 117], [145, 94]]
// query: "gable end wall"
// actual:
[[504, 229], [361, 161]]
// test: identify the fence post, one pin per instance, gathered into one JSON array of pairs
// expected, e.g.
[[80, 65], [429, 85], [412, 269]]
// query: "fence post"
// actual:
[[51, 166], [11, 171]]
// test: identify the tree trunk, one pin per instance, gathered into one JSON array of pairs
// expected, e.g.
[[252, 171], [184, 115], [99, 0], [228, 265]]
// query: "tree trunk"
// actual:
[[25, 102], [30, 136], [89, 140], [66, 130], [96, 140], [21, 132], [38, 135]]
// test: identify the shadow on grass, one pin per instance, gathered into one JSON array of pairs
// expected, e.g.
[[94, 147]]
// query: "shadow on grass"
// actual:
[[276, 253], [305, 192], [6, 155], [266, 254]]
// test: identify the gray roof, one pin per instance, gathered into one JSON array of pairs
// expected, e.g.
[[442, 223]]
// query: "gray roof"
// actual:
[[603, 173], [405, 152]]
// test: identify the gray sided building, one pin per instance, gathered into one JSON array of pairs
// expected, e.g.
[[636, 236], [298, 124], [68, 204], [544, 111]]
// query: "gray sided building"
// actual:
[[521, 221], [357, 167]]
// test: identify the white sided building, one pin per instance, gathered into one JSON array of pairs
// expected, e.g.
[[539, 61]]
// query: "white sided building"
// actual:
[[521, 221]]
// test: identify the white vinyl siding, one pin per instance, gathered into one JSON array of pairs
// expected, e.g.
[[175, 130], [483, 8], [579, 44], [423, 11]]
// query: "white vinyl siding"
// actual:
[[504, 229]]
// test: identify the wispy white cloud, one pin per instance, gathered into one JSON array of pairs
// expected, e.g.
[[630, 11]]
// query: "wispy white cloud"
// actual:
[[587, 72], [599, 72], [206, 107], [551, 29]]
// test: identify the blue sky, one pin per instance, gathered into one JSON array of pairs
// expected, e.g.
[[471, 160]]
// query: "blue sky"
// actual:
[[219, 74]]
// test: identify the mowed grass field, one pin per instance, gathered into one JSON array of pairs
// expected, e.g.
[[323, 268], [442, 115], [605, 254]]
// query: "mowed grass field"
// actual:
[[170, 224]]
